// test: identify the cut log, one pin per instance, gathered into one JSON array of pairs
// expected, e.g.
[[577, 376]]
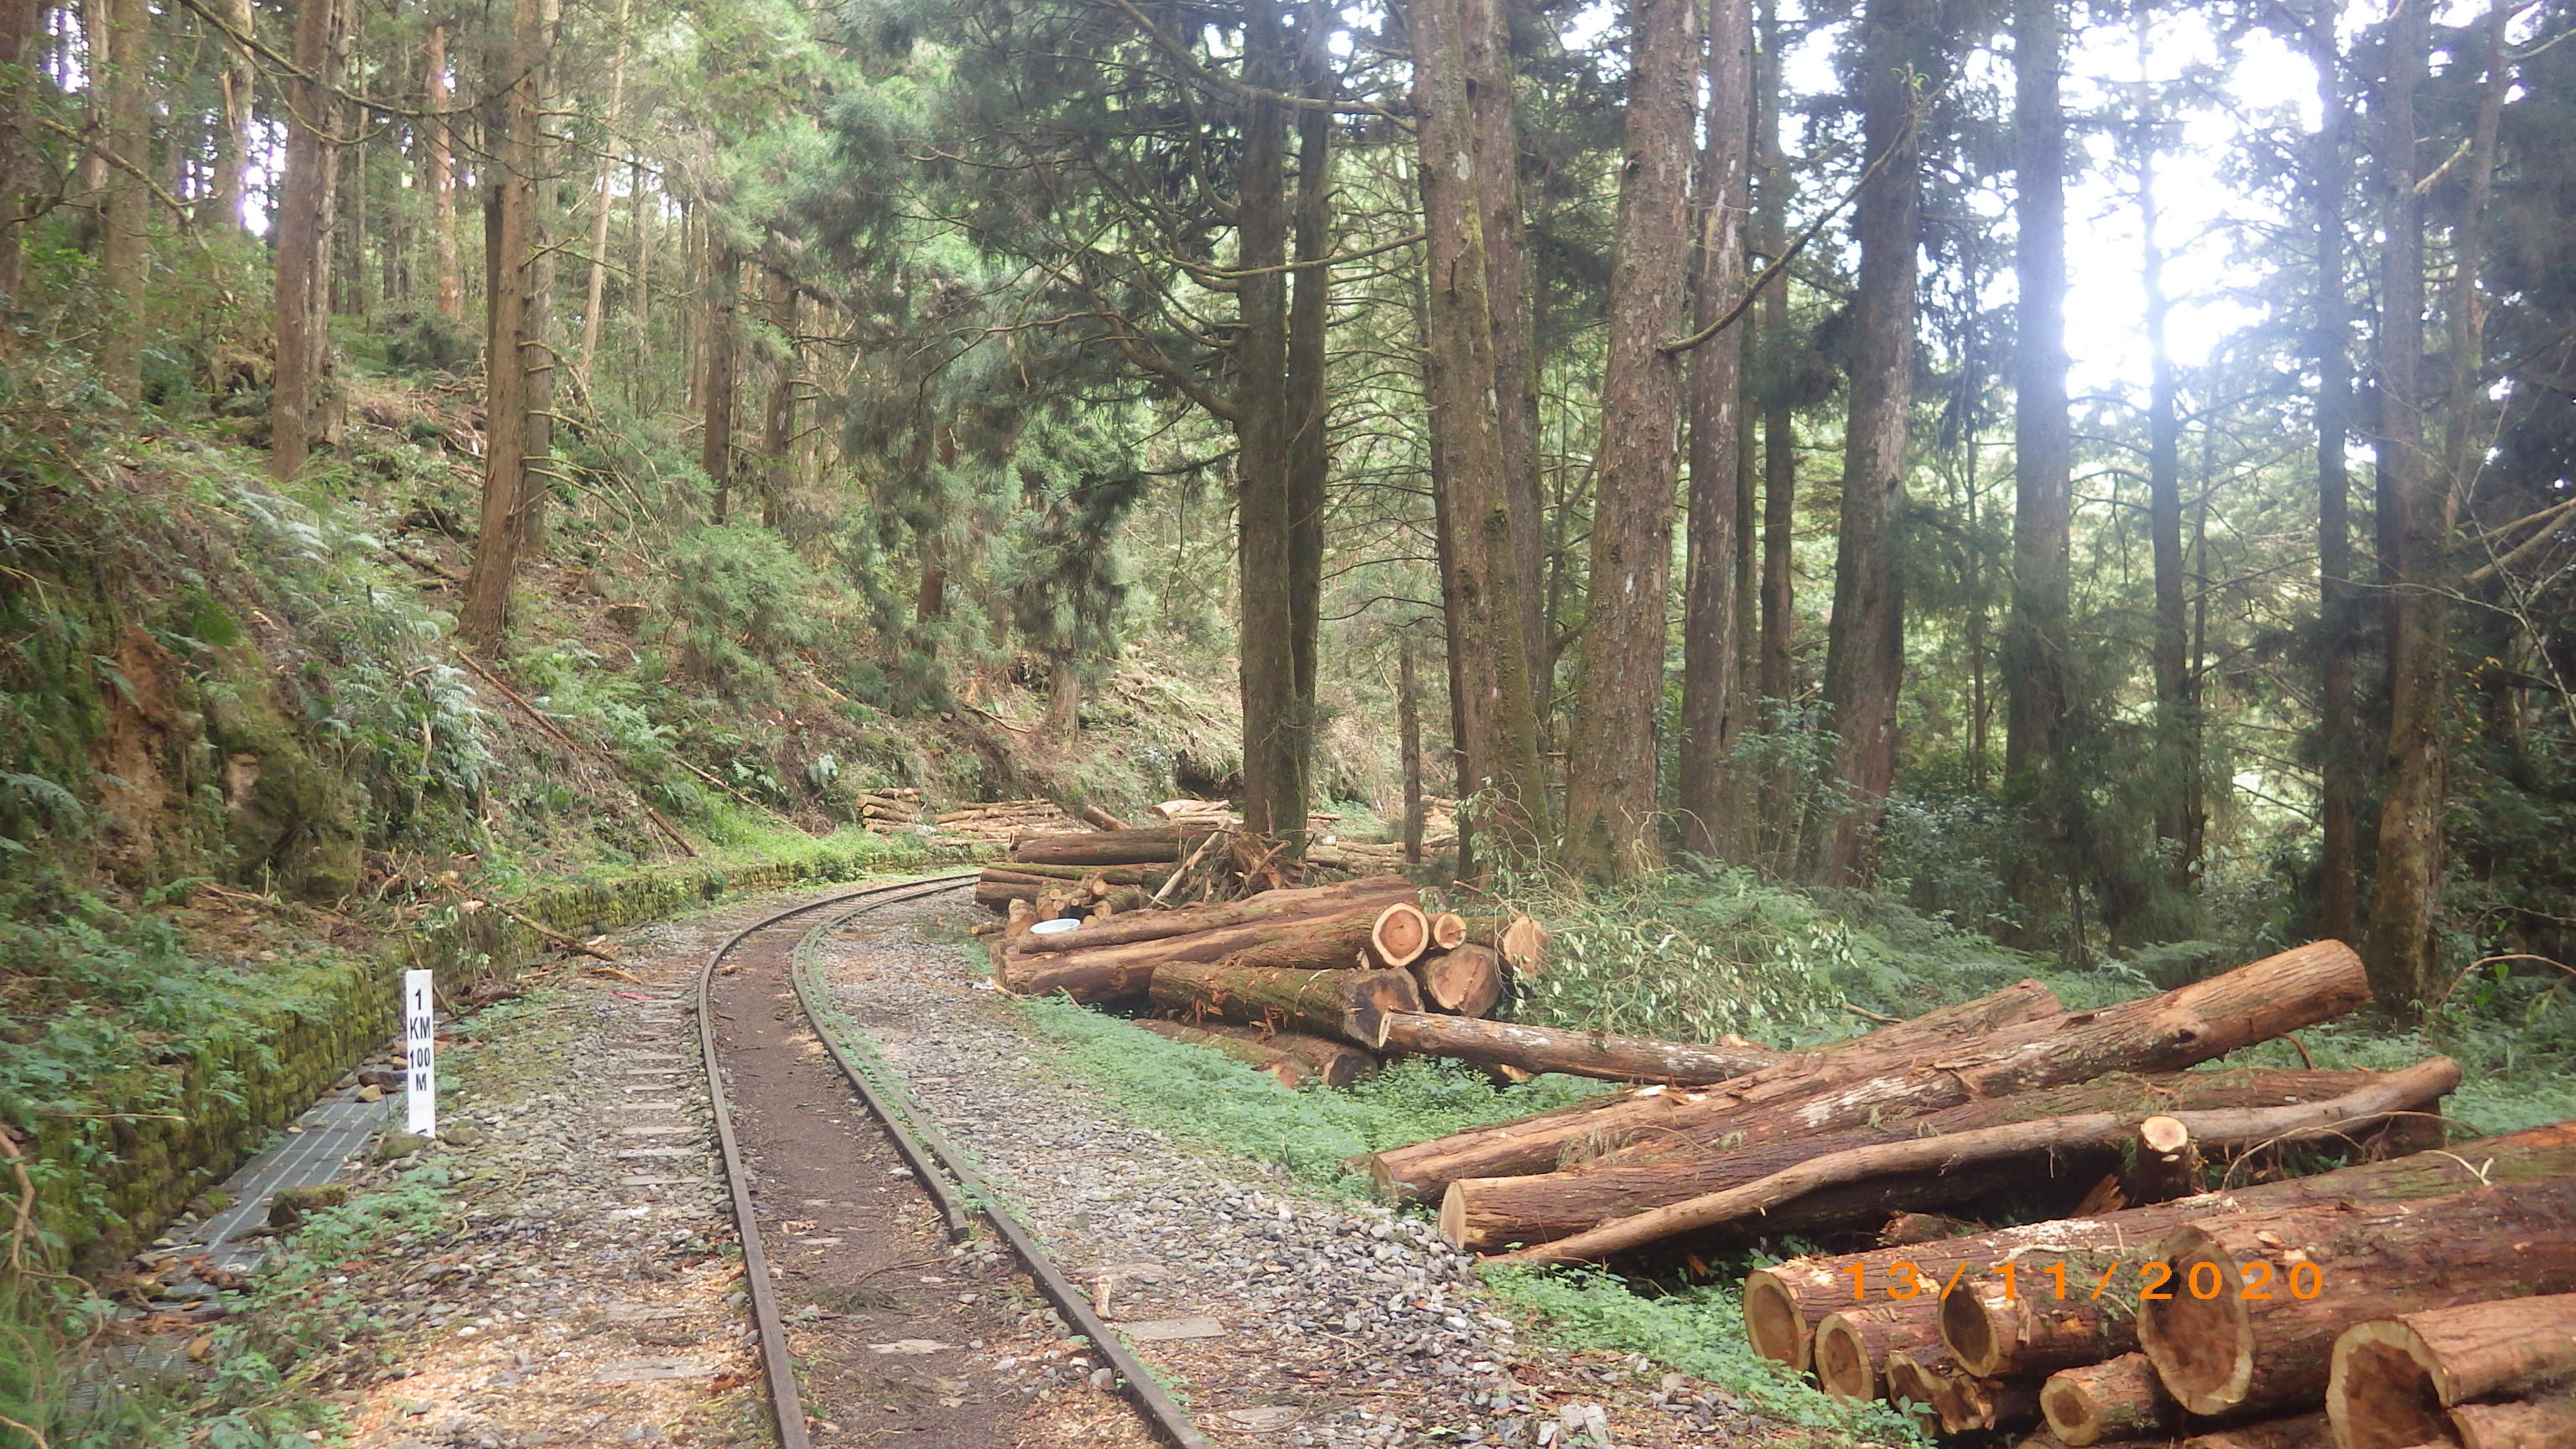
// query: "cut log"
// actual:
[[1774, 1197], [1420, 1172], [1162, 843], [1523, 944], [1105, 973], [2299, 1431], [2535, 1424], [1784, 1302], [1541, 1208], [1113, 874], [2393, 1380], [1294, 1058], [2281, 1285], [1351, 1005], [2105, 1402], [1537, 1049], [1448, 931], [1905, 1230], [2166, 1164], [1852, 1345], [1466, 981], [1956, 1401], [1303, 902], [1400, 935]]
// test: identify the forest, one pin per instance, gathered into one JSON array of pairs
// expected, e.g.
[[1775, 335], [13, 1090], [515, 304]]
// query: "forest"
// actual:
[[1830, 506]]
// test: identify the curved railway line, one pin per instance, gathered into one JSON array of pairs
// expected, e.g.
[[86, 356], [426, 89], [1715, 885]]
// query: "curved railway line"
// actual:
[[936, 1168]]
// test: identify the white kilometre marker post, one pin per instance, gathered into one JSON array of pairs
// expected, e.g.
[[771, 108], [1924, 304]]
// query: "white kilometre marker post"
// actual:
[[420, 1054]]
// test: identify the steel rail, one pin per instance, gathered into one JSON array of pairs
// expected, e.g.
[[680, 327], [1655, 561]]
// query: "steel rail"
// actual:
[[936, 1165]]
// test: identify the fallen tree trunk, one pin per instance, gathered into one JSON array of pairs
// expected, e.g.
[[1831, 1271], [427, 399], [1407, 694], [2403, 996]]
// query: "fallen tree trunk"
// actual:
[[2100, 1402], [2235, 1351], [1853, 1345], [1163, 844], [1112, 874], [2392, 1380], [1294, 1058], [1784, 1302], [1299, 903], [2548, 1423], [1105, 973], [1488, 1212], [1349, 1004], [2411, 1090], [1537, 1049], [1421, 1171], [1956, 1401], [1463, 980]]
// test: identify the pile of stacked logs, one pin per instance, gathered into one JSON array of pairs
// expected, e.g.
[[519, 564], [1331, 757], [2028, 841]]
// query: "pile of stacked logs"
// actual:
[[1005, 820], [2380, 1305], [891, 810]]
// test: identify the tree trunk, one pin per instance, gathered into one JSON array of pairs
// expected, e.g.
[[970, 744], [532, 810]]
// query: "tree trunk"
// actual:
[[1714, 710], [2175, 725], [1424, 1170], [236, 83], [2113, 1400], [1149, 846], [778, 414], [20, 40], [1275, 743], [1351, 1005], [1465, 981], [1922, 1066], [2392, 1381], [1293, 1058], [597, 296], [126, 210], [1304, 408], [1854, 1343], [1775, 684], [2037, 693], [1613, 770], [304, 203], [2404, 960], [1105, 973], [2339, 748], [1543, 1208], [519, 360], [1408, 732], [1339, 898], [2236, 1351], [2547, 1423], [716, 392], [1537, 1049], [1501, 791], [1865, 643], [1769, 1204], [1959, 1402]]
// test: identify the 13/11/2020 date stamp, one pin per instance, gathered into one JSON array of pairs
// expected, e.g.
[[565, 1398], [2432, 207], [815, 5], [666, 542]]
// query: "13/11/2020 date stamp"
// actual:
[[2255, 1281]]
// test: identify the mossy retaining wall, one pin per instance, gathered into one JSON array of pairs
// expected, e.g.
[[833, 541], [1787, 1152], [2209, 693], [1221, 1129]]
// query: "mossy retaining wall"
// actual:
[[107, 1183]]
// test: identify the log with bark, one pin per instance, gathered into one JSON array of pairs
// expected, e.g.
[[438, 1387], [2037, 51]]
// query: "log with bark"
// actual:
[[1352, 1005], [2032, 1333], [1399, 935], [1161, 844], [1867, 1080], [1421, 1171], [1854, 1342], [1537, 1049], [2281, 1284], [2544, 1423], [1907, 1229], [1294, 1058], [1105, 973], [1774, 1199], [2393, 1381], [2115, 1399], [1955, 1401], [2298, 1431], [1487, 1213], [1448, 931], [1292, 904], [1462, 981]]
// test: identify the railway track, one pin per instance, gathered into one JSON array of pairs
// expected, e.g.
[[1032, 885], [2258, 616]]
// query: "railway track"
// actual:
[[756, 1062]]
